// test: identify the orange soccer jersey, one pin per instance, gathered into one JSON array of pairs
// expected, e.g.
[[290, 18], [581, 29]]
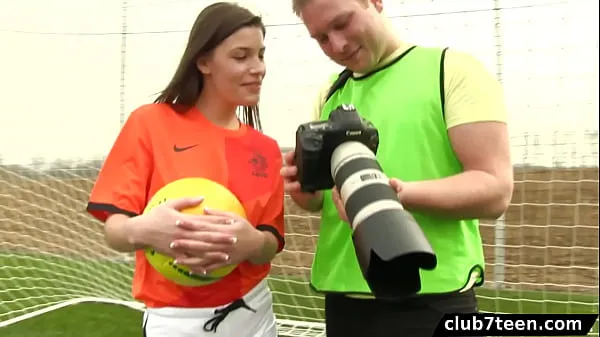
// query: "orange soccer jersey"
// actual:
[[156, 146]]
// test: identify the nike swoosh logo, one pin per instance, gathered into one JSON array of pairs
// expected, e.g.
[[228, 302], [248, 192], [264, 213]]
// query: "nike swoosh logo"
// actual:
[[181, 149]]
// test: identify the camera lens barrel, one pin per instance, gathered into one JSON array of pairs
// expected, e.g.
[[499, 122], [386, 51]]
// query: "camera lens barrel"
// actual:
[[354, 167], [389, 244]]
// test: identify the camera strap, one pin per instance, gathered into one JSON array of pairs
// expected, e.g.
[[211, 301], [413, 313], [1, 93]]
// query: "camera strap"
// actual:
[[347, 73], [339, 82]]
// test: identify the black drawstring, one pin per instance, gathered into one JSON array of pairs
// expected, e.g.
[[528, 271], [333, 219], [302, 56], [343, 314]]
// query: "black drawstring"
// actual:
[[220, 314]]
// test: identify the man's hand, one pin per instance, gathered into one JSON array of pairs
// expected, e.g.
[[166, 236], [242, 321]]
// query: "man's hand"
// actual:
[[289, 173], [311, 202], [339, 205], [396, 184]]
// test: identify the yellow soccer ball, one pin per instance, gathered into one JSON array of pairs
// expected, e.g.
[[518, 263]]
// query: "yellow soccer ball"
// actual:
[[216, 196]]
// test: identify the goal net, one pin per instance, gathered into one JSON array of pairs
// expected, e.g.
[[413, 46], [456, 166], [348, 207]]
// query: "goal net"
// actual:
[[541, 256]]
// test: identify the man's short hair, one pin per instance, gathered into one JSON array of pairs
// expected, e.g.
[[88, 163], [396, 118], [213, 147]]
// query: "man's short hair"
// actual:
[[298, 5]]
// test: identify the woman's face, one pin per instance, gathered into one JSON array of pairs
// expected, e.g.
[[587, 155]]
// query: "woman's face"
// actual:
[[236, 68]]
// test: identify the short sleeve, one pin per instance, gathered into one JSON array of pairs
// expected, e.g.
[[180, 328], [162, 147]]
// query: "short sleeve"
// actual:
[[122, 183], [472, 93], [272, 219]]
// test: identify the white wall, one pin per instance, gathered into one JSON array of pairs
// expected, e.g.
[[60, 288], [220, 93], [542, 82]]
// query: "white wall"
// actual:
[[61, 69]]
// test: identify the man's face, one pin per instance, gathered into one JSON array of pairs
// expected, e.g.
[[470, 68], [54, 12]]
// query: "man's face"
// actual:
[[346, 30]]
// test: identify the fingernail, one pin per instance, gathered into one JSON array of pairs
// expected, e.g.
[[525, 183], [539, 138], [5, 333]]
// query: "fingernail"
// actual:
[[231, 221], [204, 272], [175, 262], [226, 257], [234, 239], [172, 245]]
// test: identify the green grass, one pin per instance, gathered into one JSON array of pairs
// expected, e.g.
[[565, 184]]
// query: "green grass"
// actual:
[[90, 320], [27, 281]]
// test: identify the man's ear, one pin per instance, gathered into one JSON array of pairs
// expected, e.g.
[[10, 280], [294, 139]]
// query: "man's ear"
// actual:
[[202, 64]]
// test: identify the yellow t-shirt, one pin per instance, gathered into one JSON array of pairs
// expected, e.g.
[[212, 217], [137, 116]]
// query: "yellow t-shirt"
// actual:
[[471, 92]]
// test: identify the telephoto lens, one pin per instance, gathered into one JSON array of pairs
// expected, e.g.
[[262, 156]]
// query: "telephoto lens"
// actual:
[[390, 246]]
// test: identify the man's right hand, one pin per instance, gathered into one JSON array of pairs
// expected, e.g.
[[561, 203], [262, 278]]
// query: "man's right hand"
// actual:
[[311, 202], [289, 173]]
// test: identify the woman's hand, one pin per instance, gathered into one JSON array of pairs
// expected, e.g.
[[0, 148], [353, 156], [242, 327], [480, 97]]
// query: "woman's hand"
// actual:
[[201, 257], [165, 223]]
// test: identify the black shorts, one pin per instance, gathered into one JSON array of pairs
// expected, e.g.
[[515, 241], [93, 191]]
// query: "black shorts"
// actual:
[[419, 317]]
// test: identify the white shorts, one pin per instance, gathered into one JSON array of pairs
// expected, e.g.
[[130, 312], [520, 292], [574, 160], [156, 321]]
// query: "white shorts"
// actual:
[[252, 317]]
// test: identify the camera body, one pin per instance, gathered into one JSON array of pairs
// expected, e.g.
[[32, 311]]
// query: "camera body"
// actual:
[[316, 141]]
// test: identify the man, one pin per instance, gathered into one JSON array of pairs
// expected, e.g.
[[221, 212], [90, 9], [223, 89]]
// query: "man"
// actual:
[[443, 139]]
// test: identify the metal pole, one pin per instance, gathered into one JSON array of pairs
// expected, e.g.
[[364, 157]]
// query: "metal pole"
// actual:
[[123, 60], [499, 229]]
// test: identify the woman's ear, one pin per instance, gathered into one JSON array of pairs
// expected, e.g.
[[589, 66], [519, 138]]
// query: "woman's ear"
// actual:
[[202, 63]]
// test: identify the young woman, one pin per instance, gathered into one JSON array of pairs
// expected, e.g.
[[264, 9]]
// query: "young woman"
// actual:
[[193, 130]]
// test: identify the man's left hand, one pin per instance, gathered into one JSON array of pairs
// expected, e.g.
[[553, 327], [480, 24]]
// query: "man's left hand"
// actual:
[[396, 184], [339, 204]]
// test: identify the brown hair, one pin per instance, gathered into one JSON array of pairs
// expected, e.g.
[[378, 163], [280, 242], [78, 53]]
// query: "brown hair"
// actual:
[[214, 24]]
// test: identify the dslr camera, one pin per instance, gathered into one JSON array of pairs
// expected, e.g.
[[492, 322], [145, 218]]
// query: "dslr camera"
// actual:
[[390, 247], [316, 142]]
